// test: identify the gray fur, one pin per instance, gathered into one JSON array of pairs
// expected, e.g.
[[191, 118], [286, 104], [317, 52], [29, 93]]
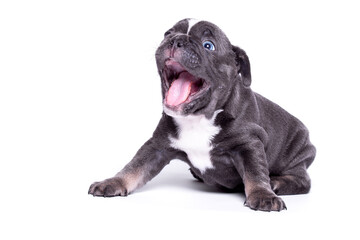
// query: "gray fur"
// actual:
[[260, 148]]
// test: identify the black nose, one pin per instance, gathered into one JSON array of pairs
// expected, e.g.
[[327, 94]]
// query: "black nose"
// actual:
[[179, 41]]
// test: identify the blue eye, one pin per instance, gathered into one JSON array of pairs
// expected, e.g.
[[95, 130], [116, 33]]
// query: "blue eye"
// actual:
[[209, 45]]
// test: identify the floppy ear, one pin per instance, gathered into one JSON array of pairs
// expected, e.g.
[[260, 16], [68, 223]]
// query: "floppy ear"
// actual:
[[243, 65]]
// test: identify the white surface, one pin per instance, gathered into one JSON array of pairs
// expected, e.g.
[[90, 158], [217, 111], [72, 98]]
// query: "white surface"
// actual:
[[79, 94]]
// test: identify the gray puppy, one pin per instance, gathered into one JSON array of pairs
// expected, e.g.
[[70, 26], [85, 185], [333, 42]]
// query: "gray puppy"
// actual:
[[230, 136]]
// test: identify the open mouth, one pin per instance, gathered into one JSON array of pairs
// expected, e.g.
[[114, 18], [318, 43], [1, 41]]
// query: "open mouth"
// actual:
[[182, 86]]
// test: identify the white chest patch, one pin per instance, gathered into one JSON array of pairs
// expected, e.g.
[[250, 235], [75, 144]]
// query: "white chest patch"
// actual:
[[194, 138]]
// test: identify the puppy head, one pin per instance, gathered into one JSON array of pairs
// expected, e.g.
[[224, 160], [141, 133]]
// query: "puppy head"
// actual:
[[198, 66]]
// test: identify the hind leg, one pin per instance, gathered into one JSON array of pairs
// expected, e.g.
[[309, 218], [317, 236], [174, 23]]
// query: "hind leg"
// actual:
[[295, 179], [291, 184]]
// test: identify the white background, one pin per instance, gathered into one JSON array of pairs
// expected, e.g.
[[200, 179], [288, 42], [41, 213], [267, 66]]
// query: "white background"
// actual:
[[79, 94]]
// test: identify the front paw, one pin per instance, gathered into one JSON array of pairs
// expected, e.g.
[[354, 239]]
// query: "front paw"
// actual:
[[265, 201], [108, 188]]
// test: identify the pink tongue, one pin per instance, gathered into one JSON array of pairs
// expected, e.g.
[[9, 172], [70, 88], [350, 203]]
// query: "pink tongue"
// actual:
[[179, 90]]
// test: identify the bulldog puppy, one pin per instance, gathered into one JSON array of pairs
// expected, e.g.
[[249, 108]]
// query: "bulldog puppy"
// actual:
[[230, 136]]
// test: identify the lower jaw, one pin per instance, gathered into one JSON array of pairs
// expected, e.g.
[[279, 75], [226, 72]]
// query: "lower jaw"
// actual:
[[172, 112], [193, 105], [182, 110]]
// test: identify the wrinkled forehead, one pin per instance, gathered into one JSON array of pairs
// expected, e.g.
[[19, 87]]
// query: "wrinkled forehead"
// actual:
[[203, 30], [194, 26]]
